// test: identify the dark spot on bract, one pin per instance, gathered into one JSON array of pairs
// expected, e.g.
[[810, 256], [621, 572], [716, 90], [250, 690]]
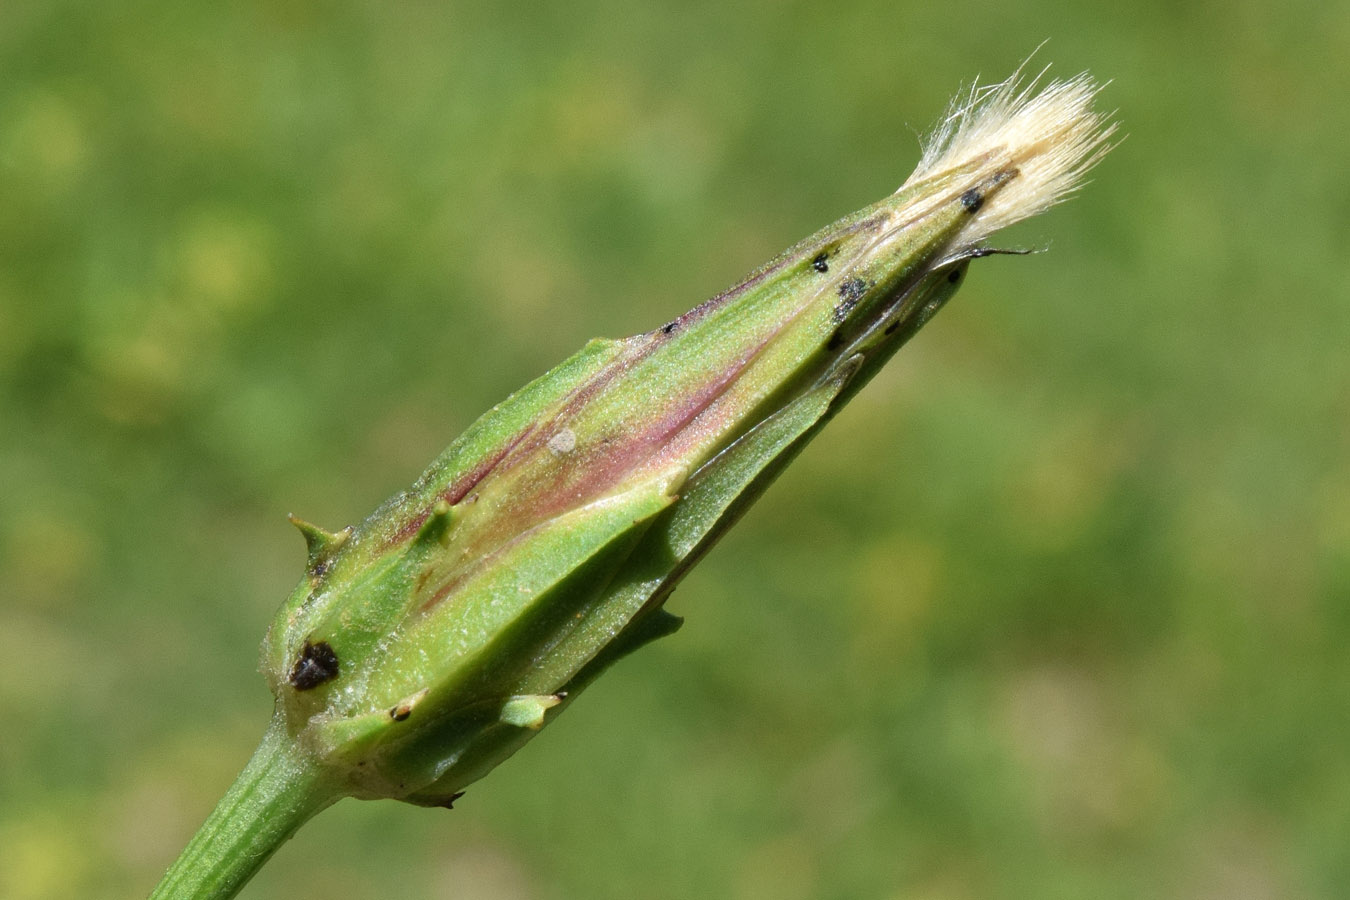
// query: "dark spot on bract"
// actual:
[[954, 276], [972, 200], [853, 289], [850, 292], [321, 567], [669, 327], [890, 329], [819, 263], [317, 664], [836, 340], [399, 713]]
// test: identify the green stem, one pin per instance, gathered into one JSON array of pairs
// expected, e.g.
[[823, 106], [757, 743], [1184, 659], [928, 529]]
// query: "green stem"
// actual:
[[278, 791]]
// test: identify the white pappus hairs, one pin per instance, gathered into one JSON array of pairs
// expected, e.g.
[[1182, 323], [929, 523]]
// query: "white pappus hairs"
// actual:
[[1045, 140]]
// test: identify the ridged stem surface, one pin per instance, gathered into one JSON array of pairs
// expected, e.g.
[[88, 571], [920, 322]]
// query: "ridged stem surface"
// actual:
[[277, 792]]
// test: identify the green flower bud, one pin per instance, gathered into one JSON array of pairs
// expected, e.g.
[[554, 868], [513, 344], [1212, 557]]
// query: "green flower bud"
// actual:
[[426, 644]]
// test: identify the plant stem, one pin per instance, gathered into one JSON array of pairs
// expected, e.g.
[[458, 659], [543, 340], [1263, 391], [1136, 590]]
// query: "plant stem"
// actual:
[[278, 791]]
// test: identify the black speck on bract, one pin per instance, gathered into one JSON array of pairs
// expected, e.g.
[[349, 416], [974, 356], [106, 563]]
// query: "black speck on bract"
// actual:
[[317, 663], [852, 290], [820, 263]]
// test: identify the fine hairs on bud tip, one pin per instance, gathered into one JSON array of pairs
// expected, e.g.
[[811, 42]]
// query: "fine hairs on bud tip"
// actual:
[[1041, 143]]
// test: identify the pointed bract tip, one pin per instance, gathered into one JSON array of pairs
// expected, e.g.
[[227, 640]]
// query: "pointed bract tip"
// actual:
[[527, 710], [437, 524], [319, 543]]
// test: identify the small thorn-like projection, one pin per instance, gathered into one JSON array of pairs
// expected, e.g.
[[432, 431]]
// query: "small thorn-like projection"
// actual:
[[316, 664], [437, 526], [449, 802], [322, 545], [982, 252], [527, 710]]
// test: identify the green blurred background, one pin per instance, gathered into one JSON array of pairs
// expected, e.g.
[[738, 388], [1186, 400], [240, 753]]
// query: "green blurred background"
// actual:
[[1058, 608]]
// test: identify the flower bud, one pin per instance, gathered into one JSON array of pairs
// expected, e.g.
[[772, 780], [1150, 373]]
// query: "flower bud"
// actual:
[[427, 643]]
